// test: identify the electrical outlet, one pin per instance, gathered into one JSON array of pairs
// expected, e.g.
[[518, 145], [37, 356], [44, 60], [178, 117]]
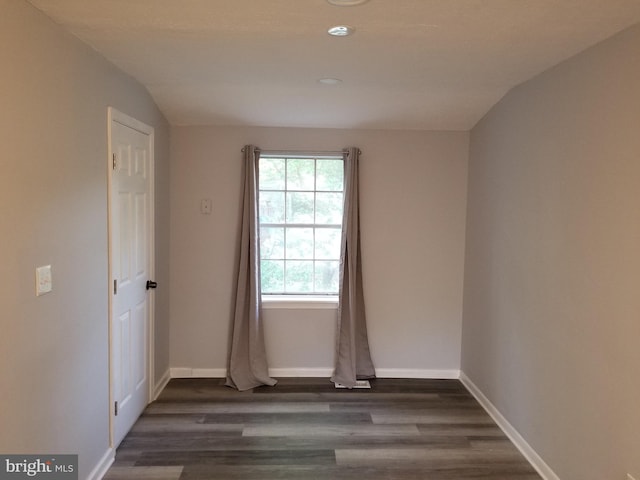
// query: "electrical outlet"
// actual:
[[44, 281], [206, 206]]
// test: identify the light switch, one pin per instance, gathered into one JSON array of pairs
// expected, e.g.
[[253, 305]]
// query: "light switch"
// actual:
[[205, 206], [44, 281]]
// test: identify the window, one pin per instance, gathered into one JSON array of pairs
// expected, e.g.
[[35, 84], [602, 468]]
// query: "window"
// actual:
[[300, 213]]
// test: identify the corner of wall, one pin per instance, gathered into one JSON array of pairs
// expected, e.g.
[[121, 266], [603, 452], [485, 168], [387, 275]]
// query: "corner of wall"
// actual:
[[518, 440]]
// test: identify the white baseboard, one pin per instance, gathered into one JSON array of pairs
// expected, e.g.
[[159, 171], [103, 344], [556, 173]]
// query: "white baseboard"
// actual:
[[380, 373], [161, 384], [103, 465], [301, 372], [317, 372], [521, 444], [183, 372], [417, 373]]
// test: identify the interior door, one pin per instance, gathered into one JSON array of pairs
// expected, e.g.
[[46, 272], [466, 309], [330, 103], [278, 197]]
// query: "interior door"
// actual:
[[131, 262]]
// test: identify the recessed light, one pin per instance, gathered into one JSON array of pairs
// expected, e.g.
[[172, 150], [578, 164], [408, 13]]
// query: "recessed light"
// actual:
[[346, 3], [341, 30], [330, 81]]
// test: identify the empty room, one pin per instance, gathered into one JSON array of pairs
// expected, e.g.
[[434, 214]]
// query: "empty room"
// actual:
[[323, 239]]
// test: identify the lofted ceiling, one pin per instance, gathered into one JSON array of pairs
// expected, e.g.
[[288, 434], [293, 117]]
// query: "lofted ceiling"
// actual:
[[411, 64]]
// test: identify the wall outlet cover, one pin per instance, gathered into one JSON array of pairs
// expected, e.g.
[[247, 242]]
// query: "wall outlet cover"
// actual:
[[44, 280], [206, 205]]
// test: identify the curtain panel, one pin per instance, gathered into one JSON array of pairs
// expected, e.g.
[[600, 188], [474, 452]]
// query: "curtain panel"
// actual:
[[247, 361], [353, 358]]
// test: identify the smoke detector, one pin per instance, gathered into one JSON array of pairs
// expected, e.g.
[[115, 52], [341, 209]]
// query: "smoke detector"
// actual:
[[341, 31], [346, 3], [330, 81]]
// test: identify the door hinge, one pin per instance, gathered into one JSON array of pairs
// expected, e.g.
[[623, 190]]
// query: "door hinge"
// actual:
[[115, 161], [115, 287], [116, 409]]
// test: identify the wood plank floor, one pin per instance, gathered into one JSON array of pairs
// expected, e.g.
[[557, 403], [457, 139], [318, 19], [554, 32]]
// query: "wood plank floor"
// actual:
[[304, 428]]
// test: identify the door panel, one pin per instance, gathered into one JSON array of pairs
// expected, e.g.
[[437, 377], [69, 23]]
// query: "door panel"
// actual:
[[131, 264]]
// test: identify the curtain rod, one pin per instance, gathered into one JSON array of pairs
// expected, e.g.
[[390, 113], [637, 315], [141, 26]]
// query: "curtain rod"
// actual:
[[289, 153]]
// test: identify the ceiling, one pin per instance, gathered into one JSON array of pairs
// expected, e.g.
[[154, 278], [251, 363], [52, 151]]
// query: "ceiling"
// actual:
[[411, 64]]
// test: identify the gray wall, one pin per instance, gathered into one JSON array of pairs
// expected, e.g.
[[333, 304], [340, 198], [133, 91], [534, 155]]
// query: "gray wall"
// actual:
[[53, 210], [551, 300], [413, 200], [552, 261]]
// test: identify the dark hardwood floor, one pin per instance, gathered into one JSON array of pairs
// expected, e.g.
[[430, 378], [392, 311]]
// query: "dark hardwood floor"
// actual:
[[304, 428]]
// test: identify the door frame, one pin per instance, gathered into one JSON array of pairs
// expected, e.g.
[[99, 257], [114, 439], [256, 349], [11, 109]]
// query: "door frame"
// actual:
[[114, 115]]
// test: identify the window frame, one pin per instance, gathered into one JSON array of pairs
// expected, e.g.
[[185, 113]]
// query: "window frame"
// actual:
[[294, 300]]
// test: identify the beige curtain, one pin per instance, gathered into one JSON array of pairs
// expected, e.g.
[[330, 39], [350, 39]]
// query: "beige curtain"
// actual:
[[247, 362], [353, 359]]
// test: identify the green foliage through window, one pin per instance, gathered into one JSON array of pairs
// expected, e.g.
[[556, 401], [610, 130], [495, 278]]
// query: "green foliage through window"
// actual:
[[300, 213]]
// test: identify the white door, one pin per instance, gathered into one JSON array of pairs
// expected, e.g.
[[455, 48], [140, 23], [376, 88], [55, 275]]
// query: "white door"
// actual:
[[131, 261]]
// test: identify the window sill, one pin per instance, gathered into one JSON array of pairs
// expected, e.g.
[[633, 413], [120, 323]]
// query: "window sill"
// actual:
[[299, 302]]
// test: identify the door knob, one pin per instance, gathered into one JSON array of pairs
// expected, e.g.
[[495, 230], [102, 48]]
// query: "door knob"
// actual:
[[151, 284]]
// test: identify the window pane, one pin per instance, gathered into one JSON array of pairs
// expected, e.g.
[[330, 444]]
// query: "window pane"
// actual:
[[271, 174], [329, 208], [329, 175], [300, 214], [299, 277], [299, 243], [271, 207], [299, 207], [328, 243], [272, 243], [327, 277], [272, 276], [300, 174]]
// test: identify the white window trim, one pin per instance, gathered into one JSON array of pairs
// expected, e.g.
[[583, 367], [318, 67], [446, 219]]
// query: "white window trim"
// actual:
[[303, 302]]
